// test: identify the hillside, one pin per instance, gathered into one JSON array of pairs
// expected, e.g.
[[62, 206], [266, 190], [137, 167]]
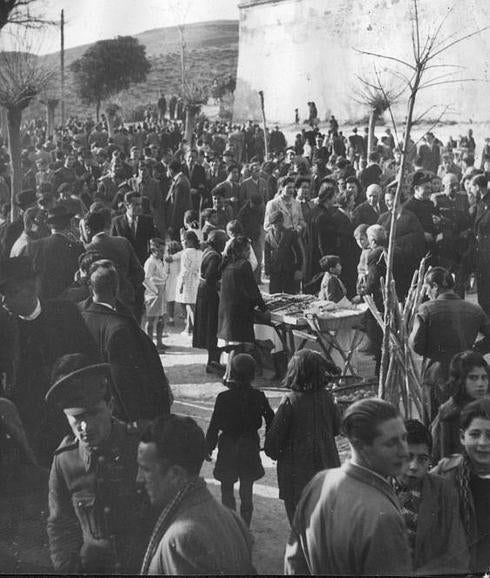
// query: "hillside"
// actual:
[[211, 50]]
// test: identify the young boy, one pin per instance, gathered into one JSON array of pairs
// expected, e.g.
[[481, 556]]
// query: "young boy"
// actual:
[[360, 236], [155, 280], [332, 288], [430, 507]]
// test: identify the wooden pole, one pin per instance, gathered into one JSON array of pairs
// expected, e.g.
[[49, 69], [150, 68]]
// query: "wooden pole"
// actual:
[[266, 140], [62, 65]]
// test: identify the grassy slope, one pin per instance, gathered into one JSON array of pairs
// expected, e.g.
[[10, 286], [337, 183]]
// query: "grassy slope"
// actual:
[[212, 50]]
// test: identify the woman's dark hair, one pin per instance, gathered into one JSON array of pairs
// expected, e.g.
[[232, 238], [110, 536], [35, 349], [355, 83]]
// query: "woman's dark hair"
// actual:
[[461, 364], [328, 262], [234, 227], [417, 433], [343, 199], [361, 419], [308, 371], [217, 240], [234, 250], [475, 409], [480, 181], [191, 238], [440, 276]]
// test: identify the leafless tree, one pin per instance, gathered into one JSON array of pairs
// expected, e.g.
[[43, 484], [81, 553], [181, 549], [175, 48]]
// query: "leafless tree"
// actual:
[[23, 13], [426, 69], [22, 78]]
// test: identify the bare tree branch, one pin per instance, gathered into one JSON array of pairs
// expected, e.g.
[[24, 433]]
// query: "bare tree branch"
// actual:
[[384, 56], [388, 102], [457, 41], [434, 124], [419, 118], [457, 80]]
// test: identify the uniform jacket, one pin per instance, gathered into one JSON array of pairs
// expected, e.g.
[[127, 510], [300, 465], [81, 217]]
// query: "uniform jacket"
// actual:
[[302, 440], [152, 196], [120, 251], [55, 260], [282, 252], [93, 496], [348, 522], [204, 538], [141, 386], [145, 230], [239, 297]]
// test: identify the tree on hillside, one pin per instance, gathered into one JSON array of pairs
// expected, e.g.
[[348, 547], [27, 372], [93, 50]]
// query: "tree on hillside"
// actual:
[[108, 67]]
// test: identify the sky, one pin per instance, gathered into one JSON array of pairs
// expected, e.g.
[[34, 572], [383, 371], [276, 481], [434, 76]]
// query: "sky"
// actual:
[[87, 21]]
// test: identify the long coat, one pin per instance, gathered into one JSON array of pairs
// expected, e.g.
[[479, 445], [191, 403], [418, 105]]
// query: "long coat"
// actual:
[[140, 385], [205, 333], [482, 233], [92, 499], [238, 298], [238, 414], [179, 201], [302, 440], [120, 251], [348, 522], [145, 230], [55, 260], [29, 351]]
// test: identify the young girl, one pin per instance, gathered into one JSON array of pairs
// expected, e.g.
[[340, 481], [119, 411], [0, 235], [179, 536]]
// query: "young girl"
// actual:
[[238, 415], [155, 280], [188, 280], [172, 268], [332, 288], [191, 223]]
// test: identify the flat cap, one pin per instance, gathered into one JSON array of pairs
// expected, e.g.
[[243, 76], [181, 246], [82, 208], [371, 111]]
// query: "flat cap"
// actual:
[[421, 177]]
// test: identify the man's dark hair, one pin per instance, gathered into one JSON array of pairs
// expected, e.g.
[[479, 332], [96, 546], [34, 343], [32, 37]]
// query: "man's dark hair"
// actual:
[[175, 166], [417, 433], [104, 278], [440, 276], [130, 195], [362, 418], [87, 259], [374, 157], [179, 441], [98, 220], [475, 409], [478, 181]]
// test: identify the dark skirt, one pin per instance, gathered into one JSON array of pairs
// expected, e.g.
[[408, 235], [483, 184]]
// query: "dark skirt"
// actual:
[[206, 317]]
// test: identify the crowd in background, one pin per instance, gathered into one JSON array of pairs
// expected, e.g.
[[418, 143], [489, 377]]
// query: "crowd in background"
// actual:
[[112, 232]]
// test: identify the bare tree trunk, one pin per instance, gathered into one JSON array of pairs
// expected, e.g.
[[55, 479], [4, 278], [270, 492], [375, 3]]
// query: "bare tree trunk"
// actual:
[[14, 117], [373, 117], [50, 110], [97, 110], [190, 121], [110, 123]]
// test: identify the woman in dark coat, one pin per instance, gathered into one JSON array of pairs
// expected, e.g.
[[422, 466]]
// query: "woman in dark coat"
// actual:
[[238, 415], [468, 380], [205, 335], [302, 435], [239, 297]]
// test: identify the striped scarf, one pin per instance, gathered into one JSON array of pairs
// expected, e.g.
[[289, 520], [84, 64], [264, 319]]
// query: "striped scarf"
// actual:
[[164, 521]]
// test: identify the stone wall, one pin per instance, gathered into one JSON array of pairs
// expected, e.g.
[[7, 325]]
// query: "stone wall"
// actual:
[[302, 50]]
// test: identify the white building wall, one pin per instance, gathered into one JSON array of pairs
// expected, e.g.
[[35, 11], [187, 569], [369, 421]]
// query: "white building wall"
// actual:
[[302, 50]]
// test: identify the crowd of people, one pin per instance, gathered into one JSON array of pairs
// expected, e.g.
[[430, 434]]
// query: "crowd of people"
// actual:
[[110, 232]]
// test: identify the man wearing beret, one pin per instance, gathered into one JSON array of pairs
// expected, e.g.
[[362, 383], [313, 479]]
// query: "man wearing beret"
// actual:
[[194, 534], [34, 336], [98, 522]]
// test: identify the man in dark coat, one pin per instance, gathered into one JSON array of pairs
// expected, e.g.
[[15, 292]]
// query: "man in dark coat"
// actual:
[[178, 199], [149, 189], [141, 388], [482, 234], [138, 229], [283, 256], [35, 335], [197, 178], [98, 522], [368, 212], [55, 258], [118, 250], [444, 326]]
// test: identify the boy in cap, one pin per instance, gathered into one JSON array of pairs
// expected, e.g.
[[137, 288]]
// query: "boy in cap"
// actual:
[[238, 414], [194, 534], [97, 521]]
